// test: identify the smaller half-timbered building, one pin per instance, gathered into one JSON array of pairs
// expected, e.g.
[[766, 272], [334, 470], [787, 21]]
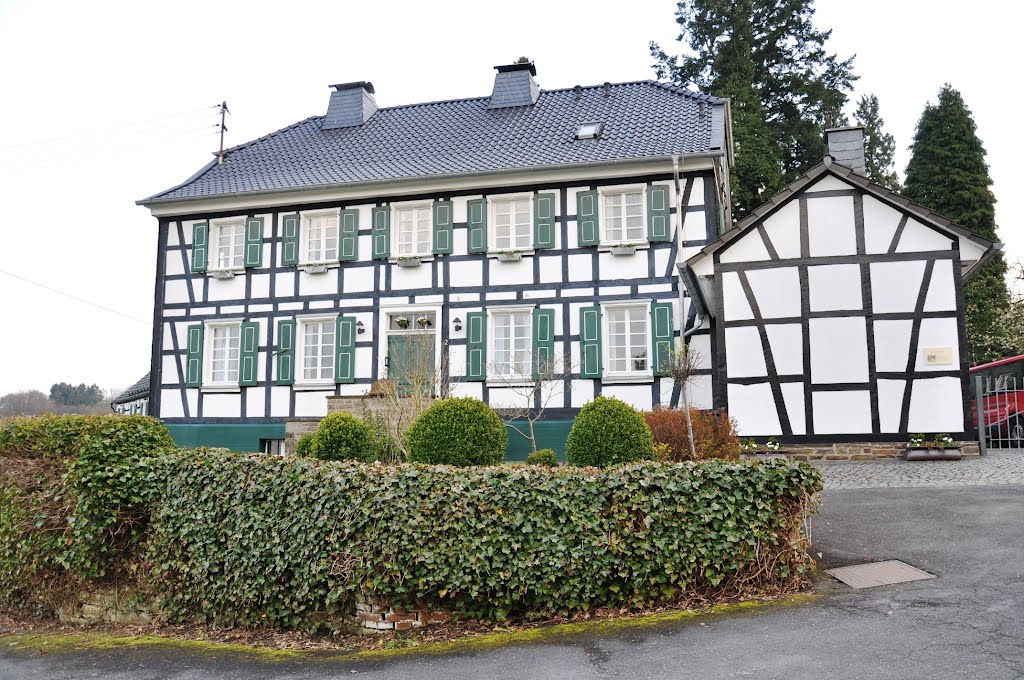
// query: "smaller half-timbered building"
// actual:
[[835, 311]]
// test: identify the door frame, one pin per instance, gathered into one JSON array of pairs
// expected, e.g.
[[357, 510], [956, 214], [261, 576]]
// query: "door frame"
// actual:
[[387, 309]]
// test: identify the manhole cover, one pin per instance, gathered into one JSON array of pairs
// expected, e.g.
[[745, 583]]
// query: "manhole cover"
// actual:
[[878, 574]]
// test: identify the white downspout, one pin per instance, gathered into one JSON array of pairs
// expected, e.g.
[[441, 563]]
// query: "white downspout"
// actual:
[[677, 168]]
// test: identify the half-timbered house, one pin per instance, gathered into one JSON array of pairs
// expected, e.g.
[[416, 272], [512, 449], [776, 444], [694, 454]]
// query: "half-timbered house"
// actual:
[[835, 311], [493, 230]]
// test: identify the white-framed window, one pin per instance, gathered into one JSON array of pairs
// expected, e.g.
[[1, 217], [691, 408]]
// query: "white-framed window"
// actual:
[[412, 230], [623, 218], [222, 352], [319, 237], [512, 223], [317, 350], [627, 340], [511, 350], [227, 244]]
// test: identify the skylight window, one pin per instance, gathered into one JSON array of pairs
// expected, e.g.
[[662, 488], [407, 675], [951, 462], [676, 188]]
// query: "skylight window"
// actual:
[[588, 131]]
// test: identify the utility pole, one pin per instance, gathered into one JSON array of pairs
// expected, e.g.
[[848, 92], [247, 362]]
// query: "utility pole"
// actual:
[[223, 111]]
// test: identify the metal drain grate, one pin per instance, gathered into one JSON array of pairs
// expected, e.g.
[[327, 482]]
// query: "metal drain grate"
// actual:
[[878, 574]]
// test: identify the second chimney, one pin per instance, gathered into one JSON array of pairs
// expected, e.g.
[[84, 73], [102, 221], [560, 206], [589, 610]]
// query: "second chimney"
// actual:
[[846, 146], [351, 104], [514, 86]]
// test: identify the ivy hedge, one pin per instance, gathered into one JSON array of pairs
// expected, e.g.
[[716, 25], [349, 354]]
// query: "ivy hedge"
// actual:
[[72, 502], [249, 540]]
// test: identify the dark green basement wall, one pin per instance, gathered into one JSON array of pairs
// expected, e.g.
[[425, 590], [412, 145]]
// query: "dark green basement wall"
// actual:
[[551, 434], [235, 437]]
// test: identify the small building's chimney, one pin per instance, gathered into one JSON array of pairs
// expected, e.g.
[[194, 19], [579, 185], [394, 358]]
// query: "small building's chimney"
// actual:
[[351, 104], [846, 147], [514, 86]]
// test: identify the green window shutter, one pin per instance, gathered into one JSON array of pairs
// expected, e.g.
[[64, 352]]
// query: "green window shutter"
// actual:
[[590, 342], [662, 335], [345, 362], [659, 218], [286, 352], [476, 346], [543, 343], [290, 239], [348, 243], [248, 357], [200, 245], [543, 221], [476, 218], [194, 365], [443, 228], [380, 232], [254, 242], [586, 218]]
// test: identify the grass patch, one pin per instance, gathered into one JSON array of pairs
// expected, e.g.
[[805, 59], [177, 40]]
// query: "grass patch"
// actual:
[[391, 647]]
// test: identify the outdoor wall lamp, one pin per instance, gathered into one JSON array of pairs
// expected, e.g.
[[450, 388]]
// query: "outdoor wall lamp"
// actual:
[[360, 328], [457, 322]]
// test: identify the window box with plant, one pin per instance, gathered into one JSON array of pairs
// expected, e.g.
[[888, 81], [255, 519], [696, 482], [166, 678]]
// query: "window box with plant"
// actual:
[[510, 255], [749, 448], [942, 447], [410, 261], [623, 249]]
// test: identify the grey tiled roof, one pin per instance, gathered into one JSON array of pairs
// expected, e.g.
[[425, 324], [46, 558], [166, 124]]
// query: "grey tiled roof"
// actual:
[[139, 390], [641, 119]]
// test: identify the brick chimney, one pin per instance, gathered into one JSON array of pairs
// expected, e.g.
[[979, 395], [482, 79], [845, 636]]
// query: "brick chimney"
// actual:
[[351, 104], [846, 147], [514, 86]]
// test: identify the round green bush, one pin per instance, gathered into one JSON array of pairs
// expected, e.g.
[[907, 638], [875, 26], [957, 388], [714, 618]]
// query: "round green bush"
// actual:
[[608, 432], [304, 447], [457, 431], [342, 436], [545, 457]]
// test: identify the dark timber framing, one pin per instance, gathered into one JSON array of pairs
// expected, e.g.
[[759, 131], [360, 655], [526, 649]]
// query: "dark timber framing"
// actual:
[[659, 283]]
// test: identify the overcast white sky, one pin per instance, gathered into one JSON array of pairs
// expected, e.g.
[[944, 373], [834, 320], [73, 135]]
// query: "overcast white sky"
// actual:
[[109, 102]]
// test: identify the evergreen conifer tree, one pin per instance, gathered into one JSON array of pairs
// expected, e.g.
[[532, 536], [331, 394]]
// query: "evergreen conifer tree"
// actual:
[[769, 59], [879, 146], [948, 174]]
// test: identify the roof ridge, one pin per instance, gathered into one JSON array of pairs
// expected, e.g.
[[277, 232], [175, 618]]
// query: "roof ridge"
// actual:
[[657, 83]]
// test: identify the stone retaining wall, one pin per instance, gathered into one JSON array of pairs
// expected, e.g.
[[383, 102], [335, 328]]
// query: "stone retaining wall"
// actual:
[[111, 605], [861, 451]]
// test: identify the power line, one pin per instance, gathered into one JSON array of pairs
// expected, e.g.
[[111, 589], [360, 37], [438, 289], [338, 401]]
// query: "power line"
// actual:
[[98, 144], [69, 295], [84, 155], [205, 111]]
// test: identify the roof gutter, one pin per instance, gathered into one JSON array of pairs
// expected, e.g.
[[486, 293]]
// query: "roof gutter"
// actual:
[[981, 261], [653, 160]]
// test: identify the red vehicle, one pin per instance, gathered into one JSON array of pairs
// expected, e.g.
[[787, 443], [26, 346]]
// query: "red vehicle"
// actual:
[[1003, 396]]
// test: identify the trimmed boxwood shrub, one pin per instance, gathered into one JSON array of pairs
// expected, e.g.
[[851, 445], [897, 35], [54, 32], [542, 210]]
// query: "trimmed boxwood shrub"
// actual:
[[342, 436], [457, 431], [544, 457], [264, 541], [608, 431], [304, 447]]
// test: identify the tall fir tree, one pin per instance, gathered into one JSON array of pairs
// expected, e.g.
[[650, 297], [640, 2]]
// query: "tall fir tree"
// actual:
[[879, 146], [948, 174], [769, 59]]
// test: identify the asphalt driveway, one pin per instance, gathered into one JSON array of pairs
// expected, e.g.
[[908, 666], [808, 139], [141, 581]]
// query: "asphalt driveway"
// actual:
[[968, 622]]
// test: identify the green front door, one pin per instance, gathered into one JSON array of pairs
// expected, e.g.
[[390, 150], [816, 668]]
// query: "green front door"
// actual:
[[411, 362]]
